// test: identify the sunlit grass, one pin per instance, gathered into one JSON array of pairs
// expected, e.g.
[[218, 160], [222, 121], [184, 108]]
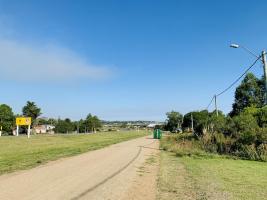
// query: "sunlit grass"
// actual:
[[201, 176]]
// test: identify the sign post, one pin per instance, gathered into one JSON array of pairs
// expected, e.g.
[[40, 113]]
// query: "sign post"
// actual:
[[24, 121], [1, 130]]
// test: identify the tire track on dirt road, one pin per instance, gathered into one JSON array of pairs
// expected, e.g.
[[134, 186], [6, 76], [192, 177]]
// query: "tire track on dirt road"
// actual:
[[113, 175], [107, 173]]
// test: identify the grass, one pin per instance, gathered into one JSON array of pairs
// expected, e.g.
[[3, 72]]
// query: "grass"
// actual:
[[210, 177], [18, 153], [151, 160]]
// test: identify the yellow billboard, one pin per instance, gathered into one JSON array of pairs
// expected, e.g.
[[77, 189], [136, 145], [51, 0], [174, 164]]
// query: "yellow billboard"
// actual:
[[21, 121]]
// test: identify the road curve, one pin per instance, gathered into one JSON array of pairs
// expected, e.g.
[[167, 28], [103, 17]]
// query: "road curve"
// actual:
[[107, 173]]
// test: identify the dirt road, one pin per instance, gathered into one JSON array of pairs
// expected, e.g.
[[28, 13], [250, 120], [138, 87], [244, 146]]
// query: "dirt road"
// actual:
[[120, 171]]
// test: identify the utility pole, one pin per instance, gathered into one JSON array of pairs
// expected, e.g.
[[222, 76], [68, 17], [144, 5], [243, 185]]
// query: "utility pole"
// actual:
[[192, 123], [1, 127], [216, 108], [263, 56]]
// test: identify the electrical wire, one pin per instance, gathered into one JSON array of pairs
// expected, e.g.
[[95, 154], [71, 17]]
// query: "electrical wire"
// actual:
[[210, 103], [230, 86]]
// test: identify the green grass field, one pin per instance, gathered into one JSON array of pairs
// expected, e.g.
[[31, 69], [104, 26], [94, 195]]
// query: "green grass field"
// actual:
[[211, 178], [17, 153]]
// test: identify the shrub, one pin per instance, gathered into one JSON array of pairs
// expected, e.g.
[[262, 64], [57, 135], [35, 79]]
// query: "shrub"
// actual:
[[261, 136], [262, 117], [243, 123], [182, 145], [262, 152]]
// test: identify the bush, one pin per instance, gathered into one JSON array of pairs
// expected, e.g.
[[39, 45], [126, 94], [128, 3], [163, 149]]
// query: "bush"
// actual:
[[252, 152], [244, 135], [245, 122], [261, 136], [262, 152], [182, 145], [262, 117]]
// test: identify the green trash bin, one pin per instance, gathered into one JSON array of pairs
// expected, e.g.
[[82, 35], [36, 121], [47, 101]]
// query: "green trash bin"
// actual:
[[159, 133], [155, 135]]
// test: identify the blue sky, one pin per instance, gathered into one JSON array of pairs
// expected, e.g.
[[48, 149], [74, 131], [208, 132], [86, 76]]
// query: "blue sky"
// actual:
[[125, 60]]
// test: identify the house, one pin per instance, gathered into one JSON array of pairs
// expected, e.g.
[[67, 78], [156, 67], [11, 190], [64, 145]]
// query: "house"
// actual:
[[39, 129], [151, 126]]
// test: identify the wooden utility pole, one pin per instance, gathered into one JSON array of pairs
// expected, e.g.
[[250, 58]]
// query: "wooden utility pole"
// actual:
[[192, 123], [216, 108], [263, 56]]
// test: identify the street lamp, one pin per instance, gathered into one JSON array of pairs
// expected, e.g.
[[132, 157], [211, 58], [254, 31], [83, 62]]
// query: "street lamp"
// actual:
[[235, 46], [263, 59]]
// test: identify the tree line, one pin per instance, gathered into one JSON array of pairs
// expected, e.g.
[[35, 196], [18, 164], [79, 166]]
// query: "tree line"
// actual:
[[7, 120], [242, 132]]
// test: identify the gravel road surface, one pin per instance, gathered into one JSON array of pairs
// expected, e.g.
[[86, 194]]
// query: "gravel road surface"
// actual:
[[108, 173]]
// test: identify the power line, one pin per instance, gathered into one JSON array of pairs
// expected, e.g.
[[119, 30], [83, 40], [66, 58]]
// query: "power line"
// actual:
[[239, 77], [210, 103], [230, 86]]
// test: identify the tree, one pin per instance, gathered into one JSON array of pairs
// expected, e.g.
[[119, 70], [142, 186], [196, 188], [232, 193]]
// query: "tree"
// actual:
[[248, 94], [80, 126], [262, 116], [31, 110], [6, 118], [200, 119], [216, 123], [92, 122], [243, 124], [174, 120], [64, 126]]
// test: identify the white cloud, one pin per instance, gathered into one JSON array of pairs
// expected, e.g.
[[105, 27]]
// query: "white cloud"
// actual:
[[22, 62]]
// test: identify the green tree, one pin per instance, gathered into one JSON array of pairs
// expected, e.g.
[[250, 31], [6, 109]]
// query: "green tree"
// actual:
[[216, 123], [248, 94], [174, 120], [262, 117], [6, 118], [244, 126], [200, 119], [64, 126], [92, 123], [81, 126], [31, 110]]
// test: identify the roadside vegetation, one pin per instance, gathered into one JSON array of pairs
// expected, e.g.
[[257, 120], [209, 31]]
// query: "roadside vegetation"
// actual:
[[210, 155], [7, 121], [17, 153], [90, 124], [241, 133], [188, 172]]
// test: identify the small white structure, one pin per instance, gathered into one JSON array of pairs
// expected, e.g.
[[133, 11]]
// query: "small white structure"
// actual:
[[151, 125], [39, 129]]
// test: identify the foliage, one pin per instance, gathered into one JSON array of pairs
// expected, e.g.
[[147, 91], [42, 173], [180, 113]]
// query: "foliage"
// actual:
[[182, 145], [50, 121], [248, 94], [64, 126], [244, 123], [31, 110], [200, 121], [6, 118], [244, 135], [174, 121], [92, 122], [261, 116]]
